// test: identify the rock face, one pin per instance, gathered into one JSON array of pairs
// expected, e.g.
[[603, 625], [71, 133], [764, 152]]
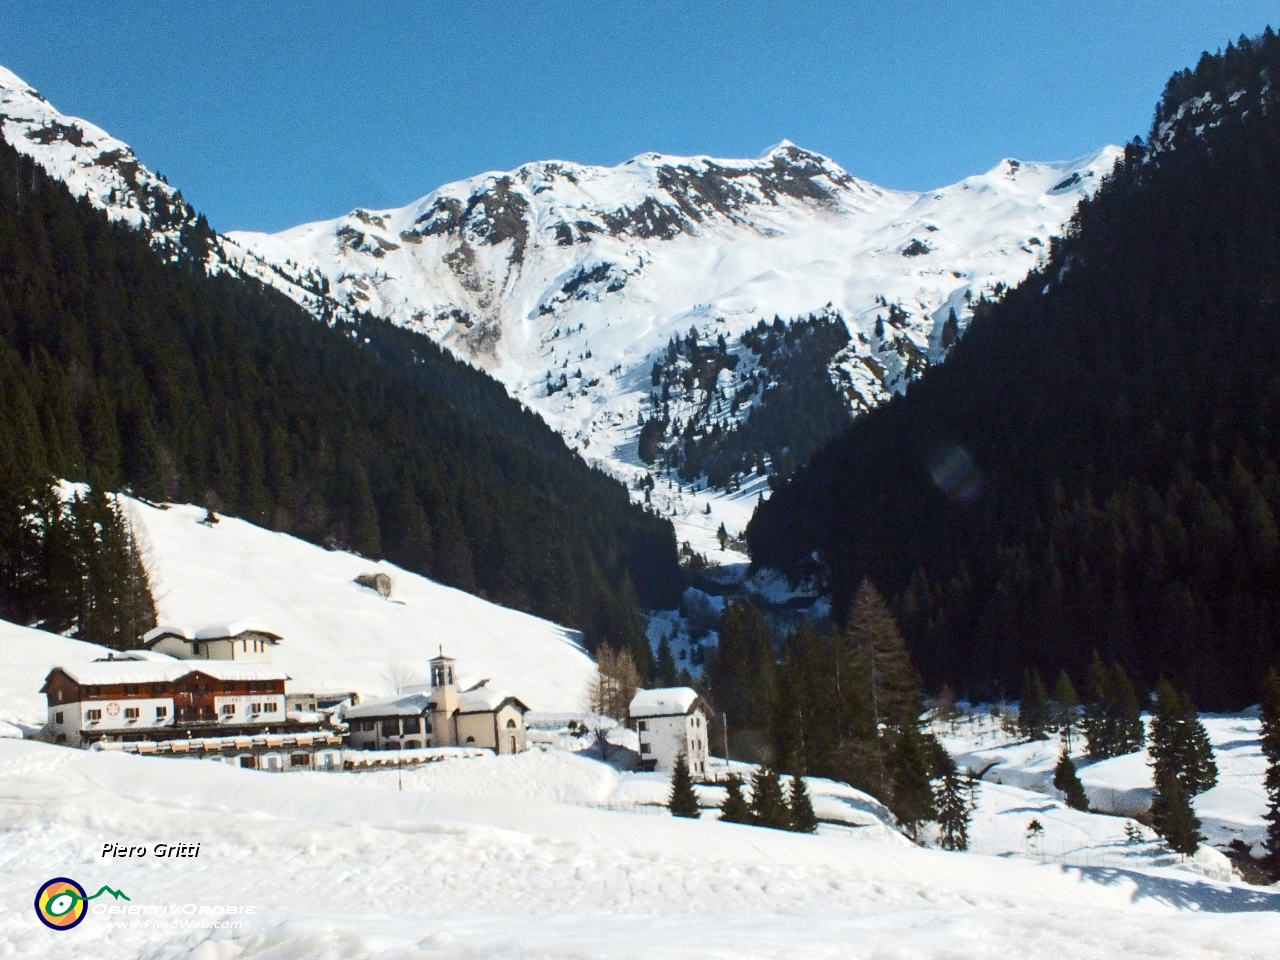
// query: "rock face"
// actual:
[[569, 282]]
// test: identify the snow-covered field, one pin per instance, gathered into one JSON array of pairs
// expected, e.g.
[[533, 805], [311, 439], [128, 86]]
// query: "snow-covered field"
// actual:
[[345, 866]]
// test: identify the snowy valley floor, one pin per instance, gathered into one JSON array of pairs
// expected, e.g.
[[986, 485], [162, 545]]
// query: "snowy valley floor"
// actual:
[[348, 865]]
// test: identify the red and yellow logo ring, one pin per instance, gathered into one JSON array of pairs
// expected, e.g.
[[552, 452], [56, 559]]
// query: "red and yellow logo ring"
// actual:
[[60, 903]]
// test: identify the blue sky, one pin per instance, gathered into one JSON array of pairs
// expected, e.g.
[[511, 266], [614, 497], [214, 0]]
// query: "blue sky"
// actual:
[[267, 115]]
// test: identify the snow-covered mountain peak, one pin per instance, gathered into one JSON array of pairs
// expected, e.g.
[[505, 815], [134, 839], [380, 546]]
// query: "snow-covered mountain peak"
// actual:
[[91, 162], [568, 282]]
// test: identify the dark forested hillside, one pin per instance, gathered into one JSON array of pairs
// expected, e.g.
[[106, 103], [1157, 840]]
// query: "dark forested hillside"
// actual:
[[130, 372], [1095, 466]]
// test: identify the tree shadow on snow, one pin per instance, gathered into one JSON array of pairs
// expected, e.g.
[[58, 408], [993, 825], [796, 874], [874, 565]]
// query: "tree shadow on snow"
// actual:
[[1201, 895]]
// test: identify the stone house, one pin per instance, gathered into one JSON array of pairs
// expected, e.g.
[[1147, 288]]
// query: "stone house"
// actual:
[[670, 721]]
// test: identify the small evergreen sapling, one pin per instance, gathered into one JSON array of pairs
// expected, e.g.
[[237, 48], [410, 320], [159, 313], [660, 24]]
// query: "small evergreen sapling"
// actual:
[[1066, 780], [734, 809], [683, 801]]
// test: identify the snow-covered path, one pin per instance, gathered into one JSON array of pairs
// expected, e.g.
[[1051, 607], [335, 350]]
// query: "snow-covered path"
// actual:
[[339, 867]]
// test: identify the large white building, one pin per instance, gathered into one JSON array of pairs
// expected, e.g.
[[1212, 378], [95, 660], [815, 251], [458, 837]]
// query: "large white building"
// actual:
[[137, 696], [670, 721], [439, 715]]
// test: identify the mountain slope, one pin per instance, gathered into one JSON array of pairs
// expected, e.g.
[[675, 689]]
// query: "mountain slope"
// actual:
[[126, 370], [1095, 466], [569, 282]]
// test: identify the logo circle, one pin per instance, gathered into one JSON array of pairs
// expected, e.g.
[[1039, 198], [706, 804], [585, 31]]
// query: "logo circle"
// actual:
[[113, 708], [60, 903]]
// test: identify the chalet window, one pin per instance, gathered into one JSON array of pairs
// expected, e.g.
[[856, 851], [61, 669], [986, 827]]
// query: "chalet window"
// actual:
[[93, 714], [642, 725], [57, 717], [471, 739], [270, 708], [131, 713], [644, 748], [93, 691], [299, 760], [130, 688], [162, 712], [511, 724], [255, 708], [390, 728], [228, 709]]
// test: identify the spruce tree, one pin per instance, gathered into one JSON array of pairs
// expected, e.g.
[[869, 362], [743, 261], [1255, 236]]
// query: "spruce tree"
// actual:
[[954, 797], [683, 801], [1065, 709], [911, 799], [1269, 715], [1179, 743], [1066, 780], [803, 819], [1033, 708], [734, 809], [1097, 722], [1177, 821], [1127, 713], [768, 807]]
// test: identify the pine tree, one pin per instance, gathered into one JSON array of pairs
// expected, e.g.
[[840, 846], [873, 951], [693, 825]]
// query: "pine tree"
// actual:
[[768, 807], [911, 799], [1065, 709], [803, 819], [1269, 715], [683, 801], [1097, 723], [1033, 708], [734, 809], [955, 799], [1127, 714], [1177, 821], [1066, 780], [1179, 743]]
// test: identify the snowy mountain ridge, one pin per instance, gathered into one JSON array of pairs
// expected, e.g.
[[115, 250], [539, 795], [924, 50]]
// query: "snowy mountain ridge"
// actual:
[[568, 282]]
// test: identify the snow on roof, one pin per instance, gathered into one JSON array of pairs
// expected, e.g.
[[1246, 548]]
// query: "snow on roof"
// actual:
[[165, 630], [663, 702], [103, 672], [149, 655], [402, 705], [216, 631], [483, 700]]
